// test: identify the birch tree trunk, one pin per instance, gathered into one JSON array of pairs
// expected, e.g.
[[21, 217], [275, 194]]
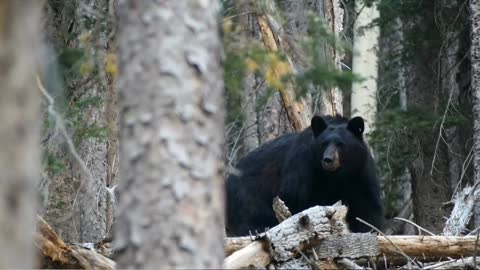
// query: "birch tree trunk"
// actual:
[[365, 64], [475, 62], [19, 131], [171, 93]]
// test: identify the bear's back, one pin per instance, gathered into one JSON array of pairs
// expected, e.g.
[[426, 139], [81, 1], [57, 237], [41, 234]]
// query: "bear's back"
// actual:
[[251, 189], [263, 163]]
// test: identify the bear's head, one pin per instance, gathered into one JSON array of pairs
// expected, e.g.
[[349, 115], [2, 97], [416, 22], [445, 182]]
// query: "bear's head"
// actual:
[[338, 145]]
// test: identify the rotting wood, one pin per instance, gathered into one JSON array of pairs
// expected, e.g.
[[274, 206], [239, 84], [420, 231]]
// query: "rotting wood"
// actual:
[[57, 254], [284, 241], [280, 209]]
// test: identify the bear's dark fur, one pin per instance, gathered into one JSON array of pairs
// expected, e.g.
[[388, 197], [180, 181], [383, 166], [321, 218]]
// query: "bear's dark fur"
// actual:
[[327, 162]]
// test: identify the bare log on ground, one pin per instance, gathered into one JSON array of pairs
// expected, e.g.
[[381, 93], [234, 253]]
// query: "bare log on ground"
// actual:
[[429, 246], [357, 245], [284, 241], [58, 254]]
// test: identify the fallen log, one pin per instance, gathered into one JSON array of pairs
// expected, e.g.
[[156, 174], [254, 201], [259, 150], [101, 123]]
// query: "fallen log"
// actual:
[[57, 254], [429, 246], [357, 245], [233, 244], [299, 232]]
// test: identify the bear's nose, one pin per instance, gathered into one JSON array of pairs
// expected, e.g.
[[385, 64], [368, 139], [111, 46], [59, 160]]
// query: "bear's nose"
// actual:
[[327, 161]]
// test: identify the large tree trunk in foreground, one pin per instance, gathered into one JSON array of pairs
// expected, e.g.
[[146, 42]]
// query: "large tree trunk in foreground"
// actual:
[[19, 131], [171, 93]]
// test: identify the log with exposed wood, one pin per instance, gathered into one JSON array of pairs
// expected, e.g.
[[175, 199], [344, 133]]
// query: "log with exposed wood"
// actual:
[[339, 248], [296, 234], [365, 245], [56, 254]]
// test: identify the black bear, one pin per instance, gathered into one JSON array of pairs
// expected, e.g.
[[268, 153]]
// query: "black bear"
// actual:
[[327, 162]]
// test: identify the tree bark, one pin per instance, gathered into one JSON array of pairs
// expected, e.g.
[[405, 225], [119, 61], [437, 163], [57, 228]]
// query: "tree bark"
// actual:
[[262, 122], [295, 109], [19, 131], [171, 94], [365, 64], [475, 62], [332, 99]]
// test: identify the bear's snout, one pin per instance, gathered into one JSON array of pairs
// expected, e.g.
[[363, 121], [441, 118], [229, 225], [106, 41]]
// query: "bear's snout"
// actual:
[[331, 160]]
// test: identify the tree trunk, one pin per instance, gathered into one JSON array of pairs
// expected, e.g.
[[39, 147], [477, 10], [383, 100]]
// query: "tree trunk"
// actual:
[[263, 122], [171, 94], [78, 201], [475, 62], [19, 131], [332, 99], [453, 56], [365, 62], [435, 90]]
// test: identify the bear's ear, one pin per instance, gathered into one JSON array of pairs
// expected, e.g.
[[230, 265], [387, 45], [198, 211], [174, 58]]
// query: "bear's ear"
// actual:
[[318, 125], [356, 126]]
